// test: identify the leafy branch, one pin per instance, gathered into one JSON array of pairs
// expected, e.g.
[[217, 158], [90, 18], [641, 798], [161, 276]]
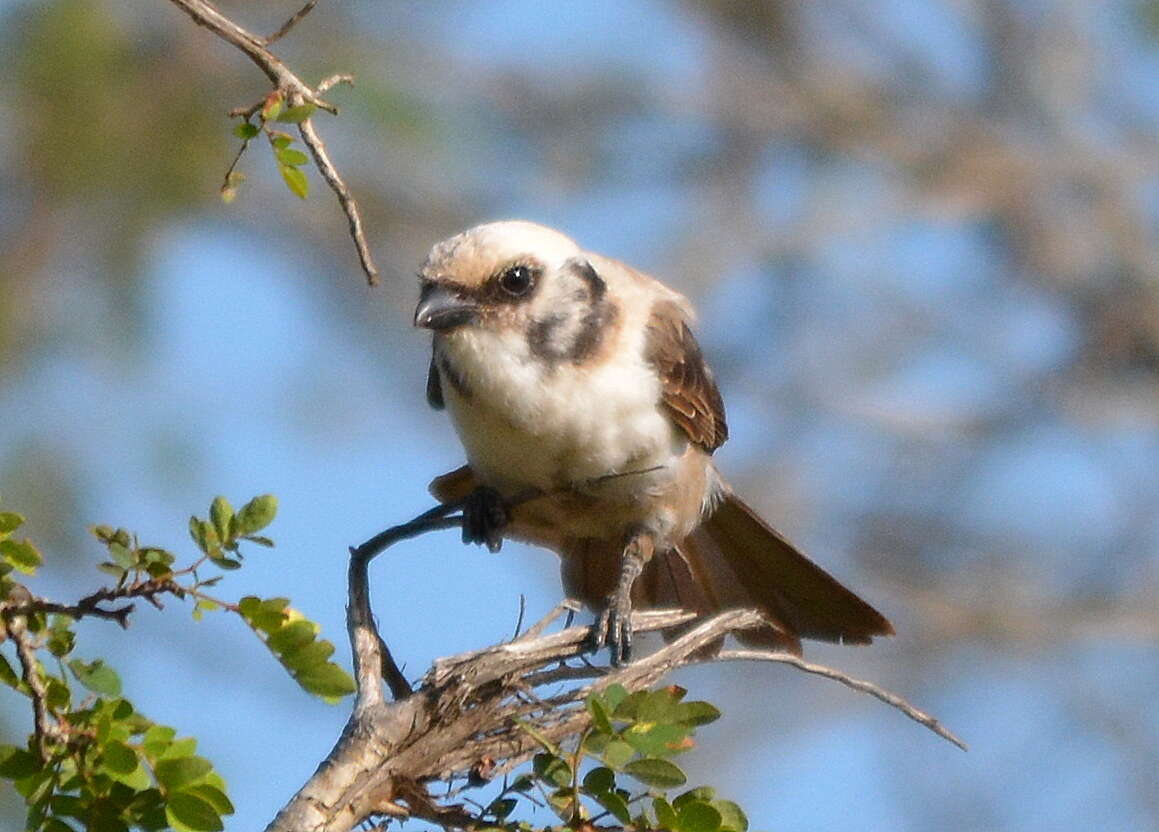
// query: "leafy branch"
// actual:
[[292, 101], [93, 757]]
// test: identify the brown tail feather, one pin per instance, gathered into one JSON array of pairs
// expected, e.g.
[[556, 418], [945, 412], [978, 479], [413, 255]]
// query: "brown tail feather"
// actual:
[[795, 592]]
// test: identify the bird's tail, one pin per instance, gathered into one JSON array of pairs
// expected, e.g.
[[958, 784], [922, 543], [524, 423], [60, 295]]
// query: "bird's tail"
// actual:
[[735, 560]]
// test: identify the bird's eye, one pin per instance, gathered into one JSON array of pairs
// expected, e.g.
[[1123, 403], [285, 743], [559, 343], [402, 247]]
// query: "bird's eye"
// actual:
[[517, 281]]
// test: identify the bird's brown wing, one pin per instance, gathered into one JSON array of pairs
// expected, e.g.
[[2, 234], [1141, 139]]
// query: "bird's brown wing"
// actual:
[[688, 391]]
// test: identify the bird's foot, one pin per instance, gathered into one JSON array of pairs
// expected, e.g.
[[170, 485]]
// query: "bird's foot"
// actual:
[[614, 629], [485, 516]]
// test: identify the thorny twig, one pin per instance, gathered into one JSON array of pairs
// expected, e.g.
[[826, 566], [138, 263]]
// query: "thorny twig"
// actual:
[[296, 92]]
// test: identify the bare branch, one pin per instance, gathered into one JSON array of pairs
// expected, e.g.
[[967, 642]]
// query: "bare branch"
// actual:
[[90, 605], [860, 685], [338, 186], [285, 28], [296, 92]]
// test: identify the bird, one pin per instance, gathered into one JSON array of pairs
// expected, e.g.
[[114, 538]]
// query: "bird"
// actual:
[[589, 418]]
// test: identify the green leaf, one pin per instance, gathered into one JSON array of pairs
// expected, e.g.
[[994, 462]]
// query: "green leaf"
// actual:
[[665, 814], [552, 769], [16, 763], [292, 157], [696, 713], [222, 562], [293, 640], [629, 708], [204, 535], [617, 754], [501, 808], [189, 813], [260, 540], [214, 796], [292, 636], [272, 107], [61, 639], [7, 674], [732, 817], [260, 511], [653, 740], [221, 513], [296, 114], [96, 676], [615, 804], [614, 695], [118, 758], [697, 816], [59, 697], [599, 712], [330, 683], [295, 180], [158, 739], [182, 771], [659, 773], [280, 140], [22, 555], [245, 130], [600, 779], [657, 706], [10, 521], [56, 825], [705, 793], [307, 658], [122, 556], [184, 747]]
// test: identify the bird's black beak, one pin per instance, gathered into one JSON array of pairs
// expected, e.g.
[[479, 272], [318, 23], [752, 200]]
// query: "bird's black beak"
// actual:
[[441, 307]]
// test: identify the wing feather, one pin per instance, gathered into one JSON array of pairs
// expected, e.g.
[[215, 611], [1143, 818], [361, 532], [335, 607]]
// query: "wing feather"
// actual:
[[689, 392]]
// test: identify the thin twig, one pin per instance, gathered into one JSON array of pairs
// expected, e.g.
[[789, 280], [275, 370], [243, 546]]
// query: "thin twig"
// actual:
[[284, 29], [859, 685], [89, 606], [296, 92], [349, 206]]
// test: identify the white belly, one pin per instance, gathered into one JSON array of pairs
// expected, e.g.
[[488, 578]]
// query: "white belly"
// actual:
[[524, 423]]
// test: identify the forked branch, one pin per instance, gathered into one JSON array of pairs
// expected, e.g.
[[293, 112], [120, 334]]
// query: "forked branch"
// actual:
[[296, 92], [481, 710]]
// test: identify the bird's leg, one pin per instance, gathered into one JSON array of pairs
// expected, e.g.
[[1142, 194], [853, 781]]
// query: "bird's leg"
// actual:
[[614, 627], [485, 515]]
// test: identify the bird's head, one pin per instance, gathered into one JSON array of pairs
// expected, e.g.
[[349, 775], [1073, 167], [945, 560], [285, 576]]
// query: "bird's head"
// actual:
[[515, 278]]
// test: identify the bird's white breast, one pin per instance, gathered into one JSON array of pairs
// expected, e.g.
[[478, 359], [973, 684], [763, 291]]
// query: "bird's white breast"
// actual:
[[527, 423]]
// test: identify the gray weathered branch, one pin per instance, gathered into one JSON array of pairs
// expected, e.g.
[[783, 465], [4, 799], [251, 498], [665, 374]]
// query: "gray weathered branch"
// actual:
[[480, 711]]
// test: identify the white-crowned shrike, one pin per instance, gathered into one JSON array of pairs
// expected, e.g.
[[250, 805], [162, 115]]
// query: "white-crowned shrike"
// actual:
[[575, 378]]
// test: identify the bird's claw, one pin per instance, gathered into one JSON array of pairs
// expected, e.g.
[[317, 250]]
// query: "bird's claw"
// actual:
[[485, 516], [614, 629]]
